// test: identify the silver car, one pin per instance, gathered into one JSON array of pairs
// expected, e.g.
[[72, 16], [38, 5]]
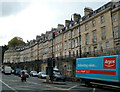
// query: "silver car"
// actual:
[[42, 75], [33, 73]]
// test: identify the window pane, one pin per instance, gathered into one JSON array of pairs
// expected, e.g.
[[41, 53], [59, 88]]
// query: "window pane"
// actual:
[[94, 37], [107, 45], [102, 19], [93, 23], [114, 17], [86, 27], [116, 32], [101, 47], [103, 33], [87, 39]]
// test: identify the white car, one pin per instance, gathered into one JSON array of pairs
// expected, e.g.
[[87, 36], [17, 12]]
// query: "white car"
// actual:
[[42, 75], [7, 70], [33, 73]]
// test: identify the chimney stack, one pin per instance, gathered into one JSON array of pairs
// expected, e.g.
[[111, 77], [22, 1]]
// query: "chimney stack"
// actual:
[[60, 26], [38, 37], [76, 17], [67, 23], [87, 10]]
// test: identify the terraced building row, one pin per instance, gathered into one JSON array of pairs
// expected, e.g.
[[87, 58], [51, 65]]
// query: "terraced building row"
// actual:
[[97, 33]]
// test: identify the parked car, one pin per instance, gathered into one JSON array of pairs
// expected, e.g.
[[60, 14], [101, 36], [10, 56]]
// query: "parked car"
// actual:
[[34, 74], [26, 73], [58, 76], [42, 75], [7, 70], [17, 71]]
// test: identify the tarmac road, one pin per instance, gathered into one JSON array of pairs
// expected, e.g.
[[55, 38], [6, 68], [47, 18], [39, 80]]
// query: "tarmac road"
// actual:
[[12, 83]]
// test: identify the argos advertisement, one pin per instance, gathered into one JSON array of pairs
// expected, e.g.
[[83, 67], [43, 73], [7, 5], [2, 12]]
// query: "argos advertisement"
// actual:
[[103, 67], [110, 62]]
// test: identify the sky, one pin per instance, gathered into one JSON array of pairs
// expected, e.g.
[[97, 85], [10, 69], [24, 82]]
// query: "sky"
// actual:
[[29, 18]]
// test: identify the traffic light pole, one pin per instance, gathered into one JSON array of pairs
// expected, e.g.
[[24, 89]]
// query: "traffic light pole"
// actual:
[[51, 61], [52, 51], [53, 37], [51, 77]]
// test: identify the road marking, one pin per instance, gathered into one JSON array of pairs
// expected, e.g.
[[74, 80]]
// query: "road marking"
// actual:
[[93, 89], [72, 87], [56, 87], [8, 86], [48, 86]]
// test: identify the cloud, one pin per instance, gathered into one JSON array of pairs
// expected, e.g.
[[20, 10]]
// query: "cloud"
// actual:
[[27, 23], [10, 8]]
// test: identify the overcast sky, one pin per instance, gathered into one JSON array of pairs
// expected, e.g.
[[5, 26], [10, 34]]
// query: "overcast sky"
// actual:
[[28, 18]]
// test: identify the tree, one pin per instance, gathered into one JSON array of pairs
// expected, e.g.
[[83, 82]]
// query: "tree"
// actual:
[[16, 42]]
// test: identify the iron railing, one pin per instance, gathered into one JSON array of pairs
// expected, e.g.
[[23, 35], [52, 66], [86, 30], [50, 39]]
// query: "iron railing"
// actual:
[[104, 52]]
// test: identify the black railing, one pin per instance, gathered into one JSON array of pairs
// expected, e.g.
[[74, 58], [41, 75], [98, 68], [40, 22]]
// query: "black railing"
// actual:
[[103, 52]]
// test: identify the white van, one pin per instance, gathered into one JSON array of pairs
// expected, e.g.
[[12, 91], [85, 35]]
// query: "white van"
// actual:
[[7, 70]]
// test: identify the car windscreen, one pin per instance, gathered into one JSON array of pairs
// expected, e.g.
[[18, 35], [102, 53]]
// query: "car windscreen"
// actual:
[[58, 73], [43, 73]]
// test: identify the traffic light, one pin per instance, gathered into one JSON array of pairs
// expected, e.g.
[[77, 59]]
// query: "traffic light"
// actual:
[[53, 34], [49, 71], [49, 62]]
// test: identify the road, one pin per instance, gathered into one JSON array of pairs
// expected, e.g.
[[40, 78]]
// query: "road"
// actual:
[[12, 83]]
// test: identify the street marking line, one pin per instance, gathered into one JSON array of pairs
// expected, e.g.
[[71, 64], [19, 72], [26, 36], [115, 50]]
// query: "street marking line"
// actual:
[[72, 87], [8, 86], [93, 89], [56, 87], [48, 86]]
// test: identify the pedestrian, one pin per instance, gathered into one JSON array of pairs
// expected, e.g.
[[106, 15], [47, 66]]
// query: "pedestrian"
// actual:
[[23, 77]]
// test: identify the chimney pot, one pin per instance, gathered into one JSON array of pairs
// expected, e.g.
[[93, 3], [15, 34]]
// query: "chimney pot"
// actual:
[[87, 10], [67, 23], [76, 17]]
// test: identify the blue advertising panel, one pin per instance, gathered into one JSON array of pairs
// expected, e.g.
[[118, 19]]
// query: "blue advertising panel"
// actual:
[[100, 68]]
